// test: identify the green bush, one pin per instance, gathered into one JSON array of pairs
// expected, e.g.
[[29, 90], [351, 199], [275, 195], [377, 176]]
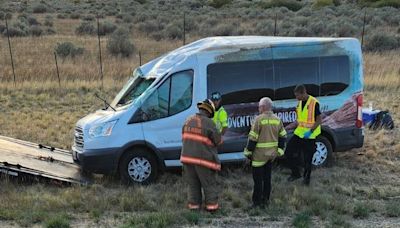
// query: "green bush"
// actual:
[[68, 49], [381, 42], [33, 21], [58, 222], [302, 220], [86, 28], [292, 5], [39, 8], [322, 3], [119, 43], [74, 16], [88, 18], [380, 3], [14, 32], [219, 3]]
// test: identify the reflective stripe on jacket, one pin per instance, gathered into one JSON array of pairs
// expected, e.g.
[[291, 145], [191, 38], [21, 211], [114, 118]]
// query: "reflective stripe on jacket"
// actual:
[[266, 131], [306, 118], [200, 138]]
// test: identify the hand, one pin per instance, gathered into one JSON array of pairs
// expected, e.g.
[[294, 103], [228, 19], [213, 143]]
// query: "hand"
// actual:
[[307, 134]]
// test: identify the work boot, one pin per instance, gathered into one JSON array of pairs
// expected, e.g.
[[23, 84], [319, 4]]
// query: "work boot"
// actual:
[[292, 177]]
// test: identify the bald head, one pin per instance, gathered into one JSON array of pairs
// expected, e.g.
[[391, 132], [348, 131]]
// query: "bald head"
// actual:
[[265, 105]]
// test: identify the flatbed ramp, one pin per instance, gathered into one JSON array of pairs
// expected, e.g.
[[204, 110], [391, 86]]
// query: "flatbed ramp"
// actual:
[[26, 159]]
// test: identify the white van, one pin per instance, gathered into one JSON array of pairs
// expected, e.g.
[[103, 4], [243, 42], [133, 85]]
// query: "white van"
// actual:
[[140, 134]]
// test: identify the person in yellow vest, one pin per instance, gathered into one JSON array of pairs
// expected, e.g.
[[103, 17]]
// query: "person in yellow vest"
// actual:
[[308, 128], [199, 157], [220, 117], [266, 142]]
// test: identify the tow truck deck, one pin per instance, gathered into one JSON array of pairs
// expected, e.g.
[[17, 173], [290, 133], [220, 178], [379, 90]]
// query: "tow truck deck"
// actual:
[[20, 158]]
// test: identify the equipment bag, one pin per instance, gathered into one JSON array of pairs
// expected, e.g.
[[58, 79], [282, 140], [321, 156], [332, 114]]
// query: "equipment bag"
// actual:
[[382, 120]]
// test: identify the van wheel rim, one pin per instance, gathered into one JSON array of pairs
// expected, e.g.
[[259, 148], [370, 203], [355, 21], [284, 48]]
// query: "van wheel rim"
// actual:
[[320, 155], [139, 169]]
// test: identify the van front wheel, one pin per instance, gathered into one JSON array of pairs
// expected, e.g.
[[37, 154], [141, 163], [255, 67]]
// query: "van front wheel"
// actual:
[[138, 166], [323, 152]]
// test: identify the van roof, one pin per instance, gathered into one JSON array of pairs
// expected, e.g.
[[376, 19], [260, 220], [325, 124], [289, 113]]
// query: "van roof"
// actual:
[[165, 62]]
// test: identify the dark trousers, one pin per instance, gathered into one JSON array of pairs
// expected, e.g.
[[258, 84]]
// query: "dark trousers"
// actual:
[[262, 183], [295, 148]]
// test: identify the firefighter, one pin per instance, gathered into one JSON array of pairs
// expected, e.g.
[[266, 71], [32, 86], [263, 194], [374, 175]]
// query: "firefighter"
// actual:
[[220, 117], [200, 158], [266, 142], [308, 128]]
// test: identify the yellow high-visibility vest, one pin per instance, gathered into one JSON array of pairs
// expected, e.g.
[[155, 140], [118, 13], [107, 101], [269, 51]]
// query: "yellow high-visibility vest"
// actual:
[[306, 118], [220, 119]]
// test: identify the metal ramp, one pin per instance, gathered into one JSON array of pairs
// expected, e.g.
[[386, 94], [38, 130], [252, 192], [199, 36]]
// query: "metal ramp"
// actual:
[[26, 159]]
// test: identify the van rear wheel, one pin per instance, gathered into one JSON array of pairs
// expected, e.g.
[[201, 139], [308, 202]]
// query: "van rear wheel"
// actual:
[[138, 166], [323, 152]]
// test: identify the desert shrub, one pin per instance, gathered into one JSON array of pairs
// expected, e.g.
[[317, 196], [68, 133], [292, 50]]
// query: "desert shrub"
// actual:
[[85, 28], [14, 32], [32, 21], [50, 31], [2, 28], [68, 49], [346, 29], [35, 30], [127, 18], [106, 27], [48, 21], [119, 43], [74, 15], [219, 3], [39, 8], [61, 16], [173, 31], [223, 30], [265, 28], [148, 26], [2, 15], [292, 5], [381, 42], [317, 28], [88, 18], [302, 32], [141, 1]]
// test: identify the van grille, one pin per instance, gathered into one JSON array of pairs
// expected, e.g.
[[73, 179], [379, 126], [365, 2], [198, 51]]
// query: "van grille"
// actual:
[[78, 138]]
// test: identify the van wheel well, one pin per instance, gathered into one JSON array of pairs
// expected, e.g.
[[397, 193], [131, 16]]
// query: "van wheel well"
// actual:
[[141, 147], [330, 138]]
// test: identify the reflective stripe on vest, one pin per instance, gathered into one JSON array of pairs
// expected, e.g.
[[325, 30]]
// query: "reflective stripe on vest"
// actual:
[[306, 118], [201, 162]]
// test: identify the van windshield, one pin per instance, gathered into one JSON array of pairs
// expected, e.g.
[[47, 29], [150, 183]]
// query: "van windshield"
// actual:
[[135, 86]]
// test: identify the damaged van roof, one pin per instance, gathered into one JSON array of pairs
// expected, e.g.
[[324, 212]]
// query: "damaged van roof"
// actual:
[[229, 43]]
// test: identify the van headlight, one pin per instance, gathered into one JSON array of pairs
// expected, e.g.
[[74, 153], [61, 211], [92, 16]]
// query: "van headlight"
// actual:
[[103, 129]]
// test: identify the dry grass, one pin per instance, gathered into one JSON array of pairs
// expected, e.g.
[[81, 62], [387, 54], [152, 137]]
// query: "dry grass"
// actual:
[[359, 190]]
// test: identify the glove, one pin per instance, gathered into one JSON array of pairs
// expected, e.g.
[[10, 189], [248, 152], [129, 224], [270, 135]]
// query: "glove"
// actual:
[[307, 134]]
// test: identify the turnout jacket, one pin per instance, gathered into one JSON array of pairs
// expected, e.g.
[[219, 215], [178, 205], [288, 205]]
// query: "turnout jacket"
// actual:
[[266, 138], [200, 139]]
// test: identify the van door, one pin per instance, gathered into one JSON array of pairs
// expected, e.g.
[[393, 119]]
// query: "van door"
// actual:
[[163, 113]]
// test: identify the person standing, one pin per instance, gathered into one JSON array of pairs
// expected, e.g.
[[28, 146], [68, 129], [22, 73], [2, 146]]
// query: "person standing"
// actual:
[[308, 128], [266, 142], [200, 158], [220, 117]]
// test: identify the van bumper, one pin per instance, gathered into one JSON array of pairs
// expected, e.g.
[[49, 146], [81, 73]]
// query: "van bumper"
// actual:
[[348, 138], [102, 161]]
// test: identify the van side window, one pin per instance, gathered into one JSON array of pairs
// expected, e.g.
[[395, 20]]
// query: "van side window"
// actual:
[[335, 74], [241, 82], [290, 72], [173, 96]]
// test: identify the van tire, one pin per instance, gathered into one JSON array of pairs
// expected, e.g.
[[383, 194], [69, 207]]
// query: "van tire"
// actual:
[[323, 154], [145, 164]]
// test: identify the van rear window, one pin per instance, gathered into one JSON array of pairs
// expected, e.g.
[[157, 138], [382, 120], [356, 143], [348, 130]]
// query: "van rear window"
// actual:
[[244, 82]]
